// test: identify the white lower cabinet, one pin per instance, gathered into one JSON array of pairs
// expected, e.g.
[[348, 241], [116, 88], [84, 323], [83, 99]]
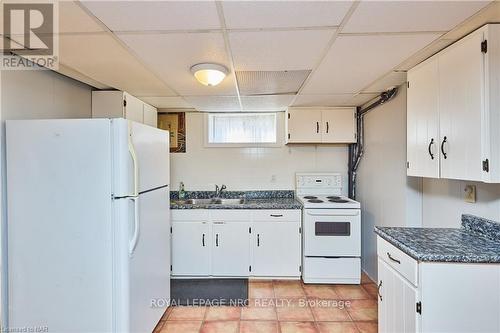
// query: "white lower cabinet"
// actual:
[[236, 243], [192, 240], [276, 248], [397, 301], [231, 251], [442, 297]]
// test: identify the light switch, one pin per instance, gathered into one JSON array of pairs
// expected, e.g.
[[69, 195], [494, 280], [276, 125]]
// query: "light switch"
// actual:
[[470, 193]]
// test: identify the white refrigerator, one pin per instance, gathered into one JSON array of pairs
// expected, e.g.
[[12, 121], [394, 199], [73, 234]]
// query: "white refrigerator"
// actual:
[[88, 225]]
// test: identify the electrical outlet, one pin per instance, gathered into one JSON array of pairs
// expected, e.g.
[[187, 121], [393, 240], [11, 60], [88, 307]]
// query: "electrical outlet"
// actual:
[[470, 193], [273, 178]]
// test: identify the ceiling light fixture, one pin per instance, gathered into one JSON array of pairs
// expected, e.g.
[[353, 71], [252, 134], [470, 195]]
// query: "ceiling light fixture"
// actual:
[[209, 74]]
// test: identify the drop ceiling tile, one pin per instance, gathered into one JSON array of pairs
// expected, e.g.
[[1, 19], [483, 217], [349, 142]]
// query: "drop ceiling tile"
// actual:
[[155, 15], [72, 18], [171, 56], [405, 16], [100, 57], [173, 102], [354, 62], [266, 103], [284, 14], [323, 100], [278, 50], [393, 79], [361, 99], [214, 103]]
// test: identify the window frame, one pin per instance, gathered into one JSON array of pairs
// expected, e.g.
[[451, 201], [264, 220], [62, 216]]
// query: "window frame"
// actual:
[[279, 129]]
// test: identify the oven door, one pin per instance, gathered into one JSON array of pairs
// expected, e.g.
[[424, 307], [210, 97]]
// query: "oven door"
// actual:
[[332, 232]]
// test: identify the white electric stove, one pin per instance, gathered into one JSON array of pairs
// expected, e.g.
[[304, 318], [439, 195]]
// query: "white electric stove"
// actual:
[[331, 226]]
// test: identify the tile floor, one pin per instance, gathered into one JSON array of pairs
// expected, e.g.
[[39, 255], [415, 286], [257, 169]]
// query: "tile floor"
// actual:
[[281, 306]]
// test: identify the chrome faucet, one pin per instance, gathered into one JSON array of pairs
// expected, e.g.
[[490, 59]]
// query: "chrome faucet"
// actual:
[[218, 190]]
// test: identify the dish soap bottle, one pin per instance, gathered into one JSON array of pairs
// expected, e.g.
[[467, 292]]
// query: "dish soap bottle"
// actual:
[[182, 192]]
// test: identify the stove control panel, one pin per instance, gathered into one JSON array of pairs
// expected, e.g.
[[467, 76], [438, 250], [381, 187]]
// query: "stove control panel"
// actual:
[[318, 182]]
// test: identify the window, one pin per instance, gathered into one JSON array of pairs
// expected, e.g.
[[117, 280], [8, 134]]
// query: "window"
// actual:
[[241, 128]]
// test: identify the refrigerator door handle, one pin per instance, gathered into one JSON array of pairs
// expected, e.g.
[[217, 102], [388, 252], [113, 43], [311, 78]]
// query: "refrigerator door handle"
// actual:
[[135, 236], [131, 150]]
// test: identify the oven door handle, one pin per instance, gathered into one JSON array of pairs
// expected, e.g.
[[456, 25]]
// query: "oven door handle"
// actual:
[[353, 212]]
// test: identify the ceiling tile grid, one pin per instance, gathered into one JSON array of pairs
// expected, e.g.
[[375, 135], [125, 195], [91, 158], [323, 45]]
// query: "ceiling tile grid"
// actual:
[[156, 42]]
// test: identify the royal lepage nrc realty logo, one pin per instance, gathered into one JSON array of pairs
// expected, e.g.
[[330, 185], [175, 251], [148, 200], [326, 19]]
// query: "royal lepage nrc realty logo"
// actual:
[[31, 35]]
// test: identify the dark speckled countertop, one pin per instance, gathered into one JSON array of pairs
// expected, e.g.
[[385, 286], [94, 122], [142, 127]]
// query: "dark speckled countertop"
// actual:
[[477, 241], [252, 200]]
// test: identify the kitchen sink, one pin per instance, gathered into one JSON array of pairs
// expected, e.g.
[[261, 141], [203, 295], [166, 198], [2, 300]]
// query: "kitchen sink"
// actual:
[[212, 201]]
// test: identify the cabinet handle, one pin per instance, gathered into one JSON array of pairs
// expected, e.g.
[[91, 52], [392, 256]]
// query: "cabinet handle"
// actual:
[[442, 147], [258, 240], [429, 148], [317, 127], [276, 215], [217, 240], [203, 240], [378, 290], [395, 260], [327, 127]]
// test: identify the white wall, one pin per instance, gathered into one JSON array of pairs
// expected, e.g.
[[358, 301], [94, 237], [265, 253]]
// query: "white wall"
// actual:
[[200, 168], [35, 95], [443, 202], [387, 196]]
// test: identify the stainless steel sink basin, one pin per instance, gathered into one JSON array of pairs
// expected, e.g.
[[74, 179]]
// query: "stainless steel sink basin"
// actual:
[[229, 201], [212, 201]]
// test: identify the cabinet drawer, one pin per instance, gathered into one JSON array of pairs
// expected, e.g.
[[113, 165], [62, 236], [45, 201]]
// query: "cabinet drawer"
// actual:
[[189, 214], [234, 215], [401, 262], [291, 215]]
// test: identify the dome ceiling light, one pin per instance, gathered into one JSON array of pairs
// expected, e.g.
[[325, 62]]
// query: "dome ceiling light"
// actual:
[[209, 74]]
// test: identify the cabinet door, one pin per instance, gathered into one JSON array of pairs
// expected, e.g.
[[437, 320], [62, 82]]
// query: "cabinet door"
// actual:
[[276, 249], [397, 302], [461, 104], [231, 248], [134, 108], [190, 248], [304, 125], [423, 120], [338, 125], [150, 115]]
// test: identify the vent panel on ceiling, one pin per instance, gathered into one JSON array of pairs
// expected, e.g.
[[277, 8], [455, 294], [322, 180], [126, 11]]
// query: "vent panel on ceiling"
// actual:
[[270, 82]]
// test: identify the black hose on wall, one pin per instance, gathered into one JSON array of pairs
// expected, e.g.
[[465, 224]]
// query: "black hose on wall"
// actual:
[[356, 150]]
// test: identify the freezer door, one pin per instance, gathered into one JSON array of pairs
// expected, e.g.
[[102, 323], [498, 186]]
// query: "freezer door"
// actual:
[[149, 260], [141, 158], [59, 225]]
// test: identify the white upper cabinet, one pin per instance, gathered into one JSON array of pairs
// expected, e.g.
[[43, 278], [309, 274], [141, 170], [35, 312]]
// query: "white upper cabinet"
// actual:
[[150, 115], [456, 92], [119, 104], [321, 125], [423, 120]]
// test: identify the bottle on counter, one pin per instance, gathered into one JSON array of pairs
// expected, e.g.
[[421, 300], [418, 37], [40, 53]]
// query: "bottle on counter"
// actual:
[[182, 192]]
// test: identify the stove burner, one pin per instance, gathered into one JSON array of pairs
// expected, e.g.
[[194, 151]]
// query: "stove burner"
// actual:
[[315, 201], [310, 197], [338, 200], [333, 197]]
